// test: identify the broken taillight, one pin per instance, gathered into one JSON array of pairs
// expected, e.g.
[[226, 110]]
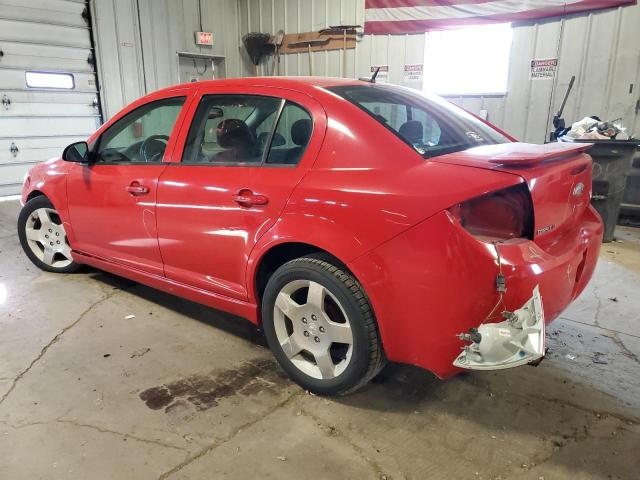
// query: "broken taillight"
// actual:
[[499, 215]]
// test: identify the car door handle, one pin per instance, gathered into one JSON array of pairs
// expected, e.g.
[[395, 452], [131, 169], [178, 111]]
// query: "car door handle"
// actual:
[[246, 198], [136, 189]]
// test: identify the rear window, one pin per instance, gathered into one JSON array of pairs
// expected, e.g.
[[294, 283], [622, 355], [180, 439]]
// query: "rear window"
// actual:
[[431, 125]]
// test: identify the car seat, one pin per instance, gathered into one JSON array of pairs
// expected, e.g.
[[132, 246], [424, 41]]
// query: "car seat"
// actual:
[[300, 134]]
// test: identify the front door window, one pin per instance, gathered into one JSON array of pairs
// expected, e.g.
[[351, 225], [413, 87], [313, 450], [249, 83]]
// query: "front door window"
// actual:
[[142, 135]]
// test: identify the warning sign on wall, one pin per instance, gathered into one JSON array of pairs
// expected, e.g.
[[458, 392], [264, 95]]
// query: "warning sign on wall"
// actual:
[[413, 75], [543, 69]]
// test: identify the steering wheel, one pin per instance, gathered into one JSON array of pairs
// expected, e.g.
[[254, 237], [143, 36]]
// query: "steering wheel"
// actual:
[[153, 147]]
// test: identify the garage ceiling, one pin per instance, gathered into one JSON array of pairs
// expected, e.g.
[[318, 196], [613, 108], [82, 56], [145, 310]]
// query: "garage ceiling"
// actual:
[[37, 123]]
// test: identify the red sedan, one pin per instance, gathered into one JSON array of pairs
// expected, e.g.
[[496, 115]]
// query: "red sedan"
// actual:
[[354, 222]]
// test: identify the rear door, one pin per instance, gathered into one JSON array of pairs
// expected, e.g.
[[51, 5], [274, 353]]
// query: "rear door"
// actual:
[[48, 95], [245, 152]]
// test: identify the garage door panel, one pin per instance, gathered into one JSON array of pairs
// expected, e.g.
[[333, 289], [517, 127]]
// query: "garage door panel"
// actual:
[[45, 57], [43, 36], [47, 96], [33, 155], [32, 32], [47, 11], [12, 174], [15, 80], [19, 127], [47, 109], [35, 144]]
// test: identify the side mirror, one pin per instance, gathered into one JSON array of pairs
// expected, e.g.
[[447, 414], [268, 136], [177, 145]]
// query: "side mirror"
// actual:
[[76, 152]]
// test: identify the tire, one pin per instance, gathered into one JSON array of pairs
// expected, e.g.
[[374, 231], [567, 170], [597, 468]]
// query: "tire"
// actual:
[[43, 238], [319, 324]]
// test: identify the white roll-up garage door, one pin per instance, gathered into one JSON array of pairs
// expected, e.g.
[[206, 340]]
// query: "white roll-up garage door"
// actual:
[[48, 95]]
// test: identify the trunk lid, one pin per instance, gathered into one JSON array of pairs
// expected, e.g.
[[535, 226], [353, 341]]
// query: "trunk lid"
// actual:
[[558, 176]]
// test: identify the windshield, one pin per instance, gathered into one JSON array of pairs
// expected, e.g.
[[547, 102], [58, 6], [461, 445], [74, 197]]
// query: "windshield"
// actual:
[[431, 125]]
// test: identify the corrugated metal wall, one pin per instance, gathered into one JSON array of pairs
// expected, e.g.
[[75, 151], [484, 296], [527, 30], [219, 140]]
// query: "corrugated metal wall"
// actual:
[[137, 41], [600, 48]]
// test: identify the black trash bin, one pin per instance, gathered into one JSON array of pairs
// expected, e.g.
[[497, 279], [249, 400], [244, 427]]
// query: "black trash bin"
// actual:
[[611, 165]]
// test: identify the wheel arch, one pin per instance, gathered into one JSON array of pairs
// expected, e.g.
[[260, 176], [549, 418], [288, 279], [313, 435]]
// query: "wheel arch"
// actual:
[[36, 193], [279, 254]]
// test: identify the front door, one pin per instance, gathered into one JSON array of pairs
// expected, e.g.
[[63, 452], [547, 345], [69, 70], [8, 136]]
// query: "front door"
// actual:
[[243, 155], [112, 201]]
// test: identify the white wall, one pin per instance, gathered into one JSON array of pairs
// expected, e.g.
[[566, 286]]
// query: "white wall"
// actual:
[[601, 49], [137, 41]]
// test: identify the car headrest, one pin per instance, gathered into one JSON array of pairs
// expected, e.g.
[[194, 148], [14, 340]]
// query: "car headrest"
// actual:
[[277, 140], [411, 131], [301, 131], [235, 133]]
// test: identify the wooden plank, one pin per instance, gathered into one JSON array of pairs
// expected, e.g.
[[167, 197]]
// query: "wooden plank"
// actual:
[[298, 42]]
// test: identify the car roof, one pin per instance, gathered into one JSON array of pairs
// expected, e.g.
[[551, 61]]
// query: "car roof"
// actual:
[[302, 84]]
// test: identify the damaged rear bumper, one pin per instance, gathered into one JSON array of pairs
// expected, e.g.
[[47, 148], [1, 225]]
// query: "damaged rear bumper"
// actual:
[[436, 280], [518, 340]]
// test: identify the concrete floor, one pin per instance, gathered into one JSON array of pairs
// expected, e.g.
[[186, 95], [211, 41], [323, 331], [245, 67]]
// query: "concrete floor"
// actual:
[[183, 391]]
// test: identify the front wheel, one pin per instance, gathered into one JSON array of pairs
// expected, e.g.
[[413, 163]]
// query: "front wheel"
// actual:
[[43, 237], [320, 326]]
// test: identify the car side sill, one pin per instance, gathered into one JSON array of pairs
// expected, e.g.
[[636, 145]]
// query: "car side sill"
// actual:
[[231, 305]]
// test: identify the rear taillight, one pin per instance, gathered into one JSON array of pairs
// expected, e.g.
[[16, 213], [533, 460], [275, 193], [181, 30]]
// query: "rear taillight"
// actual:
[[498, 215]]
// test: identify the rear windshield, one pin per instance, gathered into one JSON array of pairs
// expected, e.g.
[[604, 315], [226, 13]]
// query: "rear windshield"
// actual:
[[431, 125]]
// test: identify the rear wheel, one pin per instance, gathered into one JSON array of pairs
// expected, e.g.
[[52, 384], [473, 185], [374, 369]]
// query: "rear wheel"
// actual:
[[43, 237], [319, 324]]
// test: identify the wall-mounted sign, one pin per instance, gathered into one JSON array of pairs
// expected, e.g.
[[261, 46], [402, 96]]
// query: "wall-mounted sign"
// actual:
[[383, 74], [544, 69], [204, 38], [413, 75]]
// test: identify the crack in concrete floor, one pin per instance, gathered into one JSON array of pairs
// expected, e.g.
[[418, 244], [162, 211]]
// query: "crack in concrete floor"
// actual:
[[210, 448], [53, 341], [95, 428]]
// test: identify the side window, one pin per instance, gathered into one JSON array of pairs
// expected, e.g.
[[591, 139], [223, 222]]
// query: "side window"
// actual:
[[142, 135], [230, 129], [291, 136]]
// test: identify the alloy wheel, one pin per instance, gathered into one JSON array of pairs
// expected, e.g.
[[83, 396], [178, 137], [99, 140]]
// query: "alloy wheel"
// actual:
[[47, 238], [313, 329]]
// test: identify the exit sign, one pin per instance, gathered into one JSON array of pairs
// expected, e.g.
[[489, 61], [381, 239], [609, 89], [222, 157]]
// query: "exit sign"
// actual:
[[204, 38]]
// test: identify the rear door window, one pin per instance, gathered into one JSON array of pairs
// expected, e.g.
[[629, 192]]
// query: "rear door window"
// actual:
[[231, 129], [291, 136]]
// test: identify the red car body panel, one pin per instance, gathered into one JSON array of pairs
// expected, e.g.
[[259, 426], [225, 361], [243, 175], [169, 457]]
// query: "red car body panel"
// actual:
[[359, 193], [197, 210]]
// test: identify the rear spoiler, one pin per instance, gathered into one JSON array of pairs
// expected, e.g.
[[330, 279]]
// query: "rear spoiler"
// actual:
[[528, 154]]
